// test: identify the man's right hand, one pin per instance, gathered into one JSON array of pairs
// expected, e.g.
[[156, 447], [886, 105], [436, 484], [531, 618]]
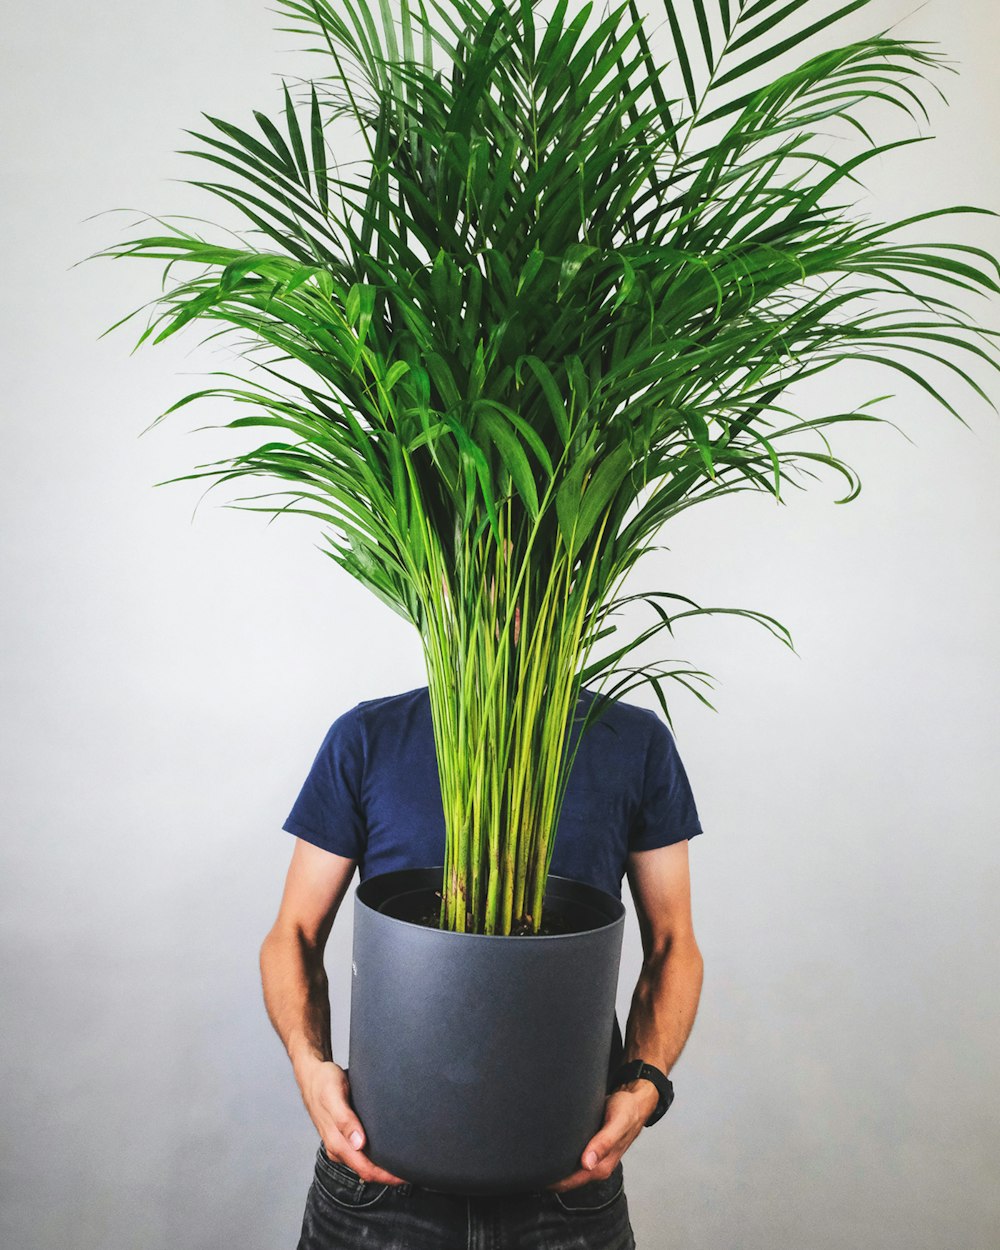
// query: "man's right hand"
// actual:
[[326, 1094]]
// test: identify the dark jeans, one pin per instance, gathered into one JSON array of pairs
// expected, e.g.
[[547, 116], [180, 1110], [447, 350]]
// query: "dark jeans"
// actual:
[[343, 1212]]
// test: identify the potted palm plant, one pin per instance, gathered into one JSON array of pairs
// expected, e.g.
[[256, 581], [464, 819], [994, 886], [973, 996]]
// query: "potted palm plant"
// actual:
[[563, 299]]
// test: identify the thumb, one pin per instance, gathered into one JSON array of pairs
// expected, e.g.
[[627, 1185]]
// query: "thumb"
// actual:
[[346, 1120], [601, 1143], [595, 1151], [350, 1126]]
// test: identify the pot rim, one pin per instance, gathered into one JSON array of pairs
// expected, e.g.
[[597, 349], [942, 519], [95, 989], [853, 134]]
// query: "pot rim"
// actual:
[[607, 900]]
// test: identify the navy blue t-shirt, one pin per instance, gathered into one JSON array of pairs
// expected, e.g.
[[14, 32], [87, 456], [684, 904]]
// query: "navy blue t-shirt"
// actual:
[[373, 793]]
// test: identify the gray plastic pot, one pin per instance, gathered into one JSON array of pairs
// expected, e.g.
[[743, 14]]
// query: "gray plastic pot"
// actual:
[[479, 1064]]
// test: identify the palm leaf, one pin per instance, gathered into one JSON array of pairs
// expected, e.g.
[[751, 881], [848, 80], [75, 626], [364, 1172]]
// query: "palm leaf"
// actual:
[[570, 294]]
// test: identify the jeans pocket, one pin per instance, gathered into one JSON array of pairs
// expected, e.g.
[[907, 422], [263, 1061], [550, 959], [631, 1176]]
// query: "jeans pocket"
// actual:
[[595, 1195], [343, 1186]]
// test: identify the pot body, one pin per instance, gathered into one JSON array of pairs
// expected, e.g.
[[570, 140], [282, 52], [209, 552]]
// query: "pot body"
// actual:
[[479, 1064]]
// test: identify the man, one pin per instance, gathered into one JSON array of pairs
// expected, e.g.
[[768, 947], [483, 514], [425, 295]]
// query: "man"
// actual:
[[372, 799]]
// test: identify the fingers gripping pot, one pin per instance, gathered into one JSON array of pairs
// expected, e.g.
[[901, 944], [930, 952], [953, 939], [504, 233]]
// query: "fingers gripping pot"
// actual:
[[479, 1064]]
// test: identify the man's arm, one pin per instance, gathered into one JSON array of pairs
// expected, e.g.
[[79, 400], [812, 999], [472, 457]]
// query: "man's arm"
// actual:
[[296, 995], [663, 1005], [666, 995]]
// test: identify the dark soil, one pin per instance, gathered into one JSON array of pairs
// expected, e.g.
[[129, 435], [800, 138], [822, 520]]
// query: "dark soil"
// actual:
[[553, 922]]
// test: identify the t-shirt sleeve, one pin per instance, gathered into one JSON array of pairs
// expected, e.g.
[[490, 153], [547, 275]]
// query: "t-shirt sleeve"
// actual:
[[328, 811], [667, 812]]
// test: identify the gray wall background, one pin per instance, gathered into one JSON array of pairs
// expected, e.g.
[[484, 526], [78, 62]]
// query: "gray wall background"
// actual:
[[166, 684]]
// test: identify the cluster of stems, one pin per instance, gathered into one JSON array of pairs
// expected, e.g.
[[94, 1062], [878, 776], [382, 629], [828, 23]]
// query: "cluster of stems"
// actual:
[[503, 637]]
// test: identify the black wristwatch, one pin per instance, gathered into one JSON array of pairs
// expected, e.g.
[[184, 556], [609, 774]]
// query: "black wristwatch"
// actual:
[[636, 1069]]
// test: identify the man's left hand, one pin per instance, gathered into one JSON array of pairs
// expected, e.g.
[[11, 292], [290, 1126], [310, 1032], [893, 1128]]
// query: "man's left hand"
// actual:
[[625, 1113]]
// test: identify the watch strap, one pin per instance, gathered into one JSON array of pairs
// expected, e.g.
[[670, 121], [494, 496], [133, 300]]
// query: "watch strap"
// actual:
[[637, 1069]]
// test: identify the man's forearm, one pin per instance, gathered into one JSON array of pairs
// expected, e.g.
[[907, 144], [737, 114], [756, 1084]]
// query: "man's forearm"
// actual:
[[297, 998], [664, 1005]]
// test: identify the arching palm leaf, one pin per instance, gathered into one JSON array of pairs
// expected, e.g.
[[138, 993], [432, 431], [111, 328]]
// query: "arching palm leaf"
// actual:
[[564, 299]]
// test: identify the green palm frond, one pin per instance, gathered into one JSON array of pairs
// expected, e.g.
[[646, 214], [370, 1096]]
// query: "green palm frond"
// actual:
[[565, 297]]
